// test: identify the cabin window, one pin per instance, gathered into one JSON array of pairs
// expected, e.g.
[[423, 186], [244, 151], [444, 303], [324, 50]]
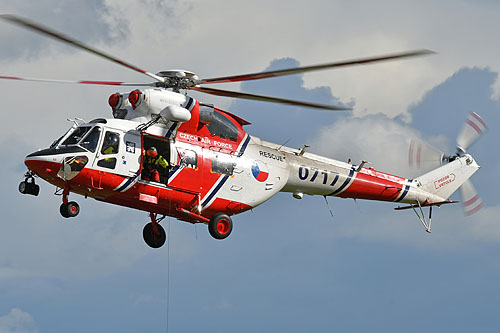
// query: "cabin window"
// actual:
[[188, 158], [223, 164], [91, 140], [109, 163], [222, 127], [76, 136]]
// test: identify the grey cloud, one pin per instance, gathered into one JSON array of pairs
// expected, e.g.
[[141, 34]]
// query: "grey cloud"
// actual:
[[17, 321], [84, 21]]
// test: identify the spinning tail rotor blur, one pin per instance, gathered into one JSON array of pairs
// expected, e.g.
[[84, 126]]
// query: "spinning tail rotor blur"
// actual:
[[424, 155]]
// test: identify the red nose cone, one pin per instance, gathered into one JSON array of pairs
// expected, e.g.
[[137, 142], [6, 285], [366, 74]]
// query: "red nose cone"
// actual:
[[133, 97], [114, 100]]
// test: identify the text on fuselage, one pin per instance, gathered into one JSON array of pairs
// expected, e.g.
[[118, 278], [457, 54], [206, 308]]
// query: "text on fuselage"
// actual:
[[271, 156]]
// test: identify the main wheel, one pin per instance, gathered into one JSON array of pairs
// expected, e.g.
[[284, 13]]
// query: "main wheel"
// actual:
[[220, 226], [154, 239]]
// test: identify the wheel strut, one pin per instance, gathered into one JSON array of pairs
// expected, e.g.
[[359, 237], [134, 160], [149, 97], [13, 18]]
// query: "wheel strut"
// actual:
[[68, 208]]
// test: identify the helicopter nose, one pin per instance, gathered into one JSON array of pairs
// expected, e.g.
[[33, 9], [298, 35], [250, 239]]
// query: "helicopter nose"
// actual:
[[42, 165]]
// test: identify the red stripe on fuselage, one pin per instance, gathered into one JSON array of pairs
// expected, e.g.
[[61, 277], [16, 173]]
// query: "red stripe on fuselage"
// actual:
[[373, 188], [100, 185]]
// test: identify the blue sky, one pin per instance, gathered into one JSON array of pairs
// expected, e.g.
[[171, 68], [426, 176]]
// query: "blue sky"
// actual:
[[288, 266]]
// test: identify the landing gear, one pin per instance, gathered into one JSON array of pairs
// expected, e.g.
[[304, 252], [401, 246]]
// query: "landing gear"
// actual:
[[71, 209], [154, 235], [28, 186], [220, 226], [68, 208]]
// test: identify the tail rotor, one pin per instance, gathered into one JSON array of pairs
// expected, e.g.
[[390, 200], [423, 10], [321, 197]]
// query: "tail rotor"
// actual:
[[424, 155]]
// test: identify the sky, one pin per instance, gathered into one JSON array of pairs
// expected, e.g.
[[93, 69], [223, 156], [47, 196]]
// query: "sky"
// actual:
[[288, 264]]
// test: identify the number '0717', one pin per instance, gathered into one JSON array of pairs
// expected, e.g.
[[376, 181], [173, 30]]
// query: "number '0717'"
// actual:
[[311, 174]]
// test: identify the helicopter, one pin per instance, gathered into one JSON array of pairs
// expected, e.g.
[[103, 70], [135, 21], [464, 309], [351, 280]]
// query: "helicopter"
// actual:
[[213, 168]]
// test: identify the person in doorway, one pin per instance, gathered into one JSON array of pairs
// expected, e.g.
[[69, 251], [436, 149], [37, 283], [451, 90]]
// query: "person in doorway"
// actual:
[[151, 162]]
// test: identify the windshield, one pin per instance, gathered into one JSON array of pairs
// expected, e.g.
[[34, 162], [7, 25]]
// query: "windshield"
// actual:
[[76, 136], [92, 139]]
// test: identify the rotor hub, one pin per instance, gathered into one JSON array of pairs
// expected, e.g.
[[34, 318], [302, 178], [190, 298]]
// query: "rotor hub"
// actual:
[[178, 79]]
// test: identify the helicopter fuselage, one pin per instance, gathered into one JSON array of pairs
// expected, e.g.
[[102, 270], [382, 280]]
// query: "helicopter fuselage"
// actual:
[[214, 166]]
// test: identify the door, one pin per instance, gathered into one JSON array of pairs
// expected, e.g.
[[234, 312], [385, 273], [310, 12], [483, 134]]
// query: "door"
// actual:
[[119, 153]]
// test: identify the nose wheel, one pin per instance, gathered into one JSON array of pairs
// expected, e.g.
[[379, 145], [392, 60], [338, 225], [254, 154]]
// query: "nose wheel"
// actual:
[[28, 186]]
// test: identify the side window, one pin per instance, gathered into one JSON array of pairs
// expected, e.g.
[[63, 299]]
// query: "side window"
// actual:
[[109, 163], [188, 158], [223, 164], [91, 140], [110, 143], [222, 127]]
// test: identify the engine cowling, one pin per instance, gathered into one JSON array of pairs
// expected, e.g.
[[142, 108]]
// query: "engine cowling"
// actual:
[[175, 113], [151, 103]]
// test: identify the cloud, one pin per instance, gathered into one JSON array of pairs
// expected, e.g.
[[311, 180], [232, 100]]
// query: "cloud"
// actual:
[[377, 139], [17, 321]]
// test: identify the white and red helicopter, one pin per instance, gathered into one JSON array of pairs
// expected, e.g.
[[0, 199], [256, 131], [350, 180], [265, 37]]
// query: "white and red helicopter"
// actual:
[[216, 169]]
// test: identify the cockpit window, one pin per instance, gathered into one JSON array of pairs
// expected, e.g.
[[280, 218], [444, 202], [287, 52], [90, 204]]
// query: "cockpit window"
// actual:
[[76, 136], [92, 139], [222, 127]]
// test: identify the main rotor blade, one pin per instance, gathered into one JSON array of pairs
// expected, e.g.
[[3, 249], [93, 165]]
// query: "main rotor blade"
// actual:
[[56, 35], [104, 83], [281, 72], [237, 94]]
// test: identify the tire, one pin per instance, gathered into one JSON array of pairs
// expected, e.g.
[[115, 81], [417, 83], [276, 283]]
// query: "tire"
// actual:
[[63, 209], [220, 226], [154, 240], [23, 186], [36, 190], [73, 209]]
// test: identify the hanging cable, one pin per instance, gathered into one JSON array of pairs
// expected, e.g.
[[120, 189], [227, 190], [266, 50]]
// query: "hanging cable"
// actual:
[[329, 208]]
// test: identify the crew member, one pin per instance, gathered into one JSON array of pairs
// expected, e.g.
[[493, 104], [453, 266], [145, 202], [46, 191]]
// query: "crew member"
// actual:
[[151, 162]]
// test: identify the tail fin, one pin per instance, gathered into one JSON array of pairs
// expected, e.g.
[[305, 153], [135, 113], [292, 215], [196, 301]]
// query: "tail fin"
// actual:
[[445, 180]]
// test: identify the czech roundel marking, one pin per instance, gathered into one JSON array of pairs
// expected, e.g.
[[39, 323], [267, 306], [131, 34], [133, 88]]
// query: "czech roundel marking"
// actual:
[[260, 171]]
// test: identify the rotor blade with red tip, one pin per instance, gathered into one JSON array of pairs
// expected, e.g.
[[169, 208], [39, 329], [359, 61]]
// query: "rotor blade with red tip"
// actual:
[[473, 128], [281, 72], [237, 94], [56, 35], [423, 155], [104, 83]]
